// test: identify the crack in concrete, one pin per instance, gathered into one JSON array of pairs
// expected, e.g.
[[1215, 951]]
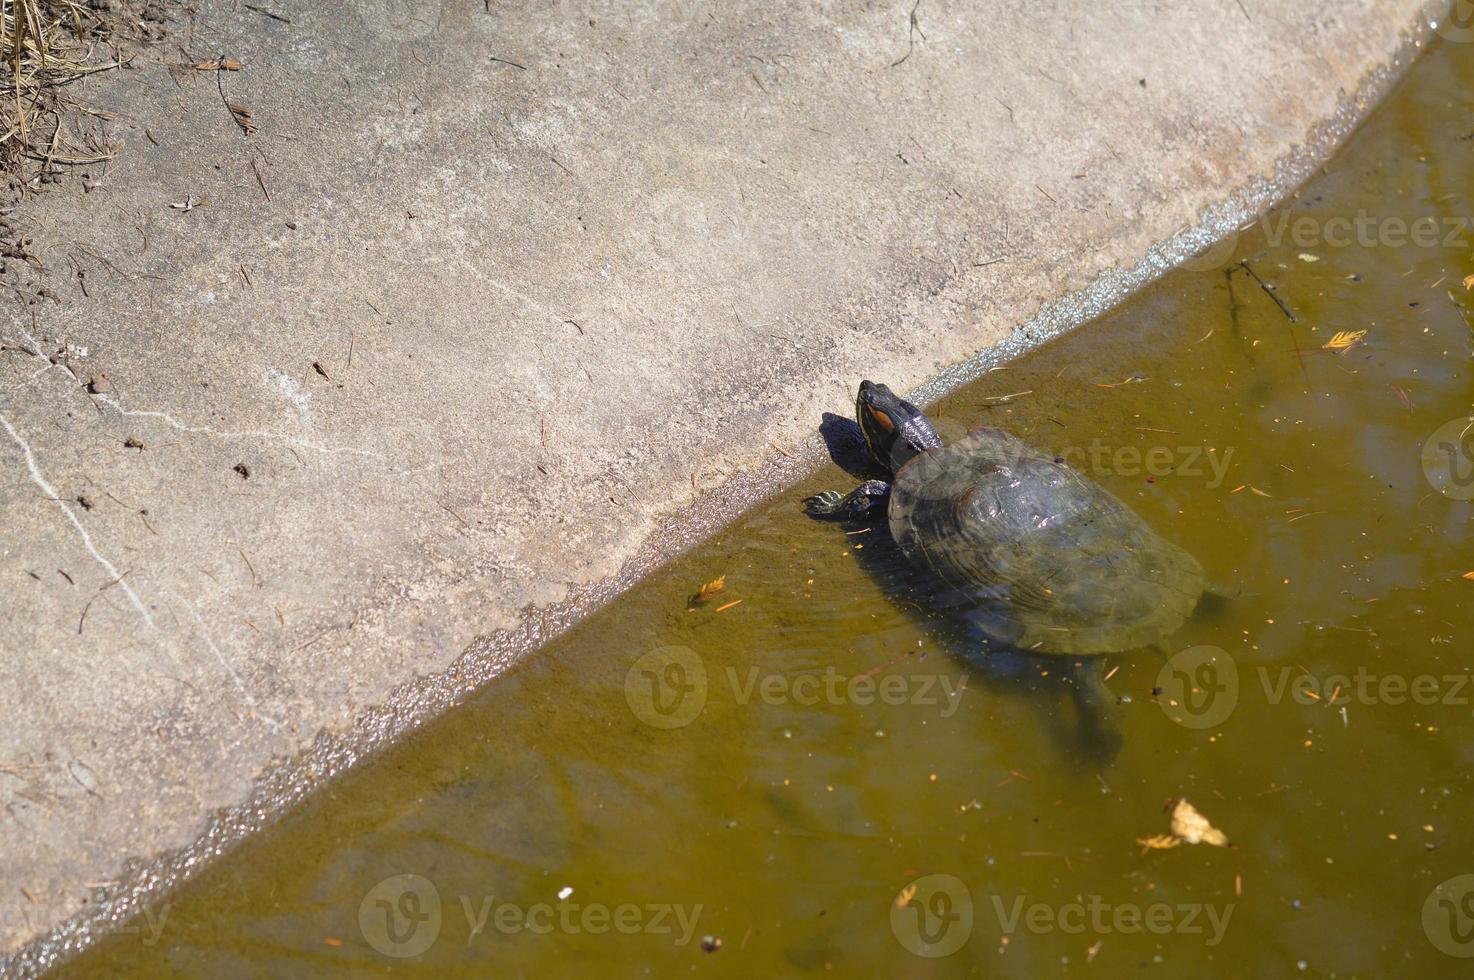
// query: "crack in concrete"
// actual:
[[117, 406], [210, 642], [50, 491]]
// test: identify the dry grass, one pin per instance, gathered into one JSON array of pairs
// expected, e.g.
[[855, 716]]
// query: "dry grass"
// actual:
[[45, 44]]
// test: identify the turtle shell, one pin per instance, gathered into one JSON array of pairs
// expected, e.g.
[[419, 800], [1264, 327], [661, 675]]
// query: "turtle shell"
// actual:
[[1034, 554]]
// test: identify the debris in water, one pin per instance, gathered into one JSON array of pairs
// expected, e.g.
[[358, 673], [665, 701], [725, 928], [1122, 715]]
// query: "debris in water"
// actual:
[[734, 602], [1344, 340], [1134, 379], [1268, 290], [708, 592], [1188, 825], [1463, 313]]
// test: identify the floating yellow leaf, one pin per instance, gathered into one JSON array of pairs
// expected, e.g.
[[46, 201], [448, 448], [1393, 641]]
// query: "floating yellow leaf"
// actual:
[[1469, 576], [906, 894], [1188, 827], [1193, 827], [1345, 340], [1469, 282]]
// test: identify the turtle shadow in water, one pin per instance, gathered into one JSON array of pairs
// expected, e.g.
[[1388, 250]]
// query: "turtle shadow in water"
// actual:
[[1094, 738]]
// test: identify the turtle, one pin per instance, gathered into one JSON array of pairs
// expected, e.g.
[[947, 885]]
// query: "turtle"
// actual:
[[1032, 554]]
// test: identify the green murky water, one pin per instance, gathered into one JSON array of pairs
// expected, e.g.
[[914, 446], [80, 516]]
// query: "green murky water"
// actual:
[[845, 746]]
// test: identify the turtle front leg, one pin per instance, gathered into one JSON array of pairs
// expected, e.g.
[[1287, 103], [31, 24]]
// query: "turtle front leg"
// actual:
[[853, 504], [1096, 711]]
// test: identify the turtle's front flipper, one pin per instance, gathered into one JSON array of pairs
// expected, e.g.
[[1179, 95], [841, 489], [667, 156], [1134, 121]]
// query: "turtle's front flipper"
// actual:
[[1217, 597], [854, 504]]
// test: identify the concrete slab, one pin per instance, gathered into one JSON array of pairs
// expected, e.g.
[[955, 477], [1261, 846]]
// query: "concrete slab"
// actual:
[[491, 297]]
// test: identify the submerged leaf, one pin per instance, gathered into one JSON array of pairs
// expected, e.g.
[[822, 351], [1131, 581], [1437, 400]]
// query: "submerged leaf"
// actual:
[[1161, 842], [708, 591], [1345, 340]]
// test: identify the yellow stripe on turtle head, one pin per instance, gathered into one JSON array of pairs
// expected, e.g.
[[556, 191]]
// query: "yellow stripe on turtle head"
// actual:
[[882, 419]]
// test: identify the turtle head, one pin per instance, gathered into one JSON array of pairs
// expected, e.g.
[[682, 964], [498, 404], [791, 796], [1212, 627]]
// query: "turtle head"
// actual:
[[895, 430]]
